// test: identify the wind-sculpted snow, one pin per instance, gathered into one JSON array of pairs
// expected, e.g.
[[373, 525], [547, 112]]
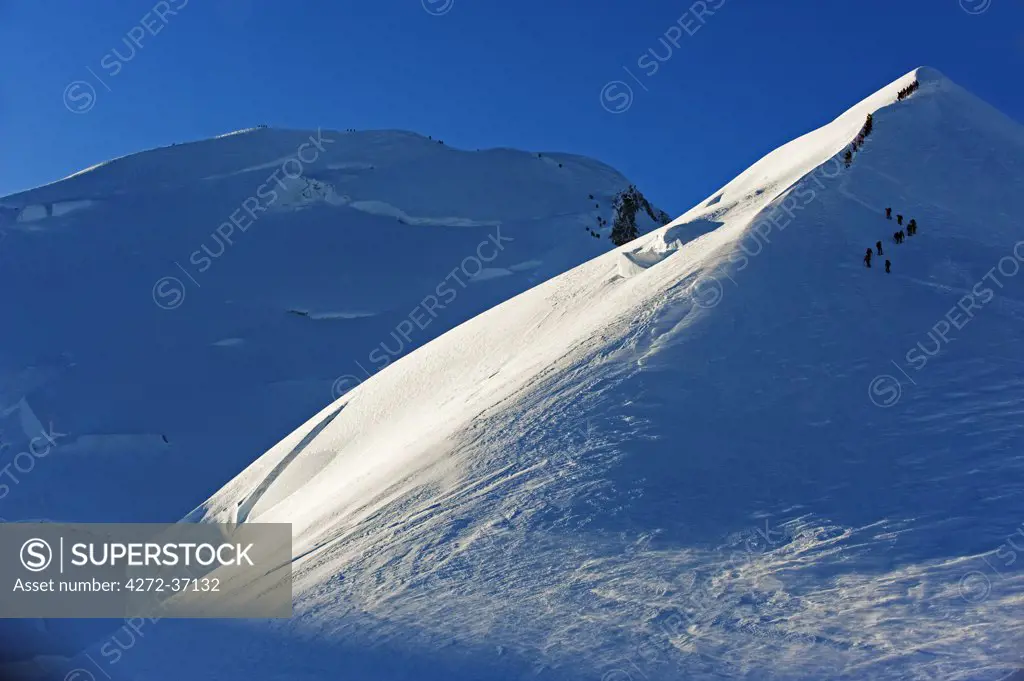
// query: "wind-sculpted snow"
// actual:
[[724, 460], [686, 467]]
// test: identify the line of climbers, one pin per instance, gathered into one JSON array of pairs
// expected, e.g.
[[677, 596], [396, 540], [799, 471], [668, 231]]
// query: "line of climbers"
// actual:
[[897, 237], [869, 124], [865, 130], [907, 91]]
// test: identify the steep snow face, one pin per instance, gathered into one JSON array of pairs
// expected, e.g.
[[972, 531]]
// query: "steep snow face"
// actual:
[[171, 314], [742, 455]]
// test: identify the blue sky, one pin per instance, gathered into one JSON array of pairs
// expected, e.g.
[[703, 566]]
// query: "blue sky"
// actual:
[[525, 74]]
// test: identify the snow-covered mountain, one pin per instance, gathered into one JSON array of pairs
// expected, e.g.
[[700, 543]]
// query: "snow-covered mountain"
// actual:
[[725, 450], [173, 313]]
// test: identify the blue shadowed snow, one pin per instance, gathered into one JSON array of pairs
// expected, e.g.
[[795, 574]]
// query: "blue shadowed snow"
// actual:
[[724, 450]]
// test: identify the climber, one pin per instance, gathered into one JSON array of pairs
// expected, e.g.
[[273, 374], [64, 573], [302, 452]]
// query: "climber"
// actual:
[[912, 226], [888, 213], [887, 266], [899, 219], [867, 258], [903, 237], [878, 245]]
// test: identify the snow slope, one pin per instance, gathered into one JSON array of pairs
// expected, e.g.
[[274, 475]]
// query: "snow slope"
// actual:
[[724, 460], [173, 313]]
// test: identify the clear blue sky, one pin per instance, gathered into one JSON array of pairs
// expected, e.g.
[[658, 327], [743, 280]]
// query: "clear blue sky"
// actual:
[[526, 74]]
